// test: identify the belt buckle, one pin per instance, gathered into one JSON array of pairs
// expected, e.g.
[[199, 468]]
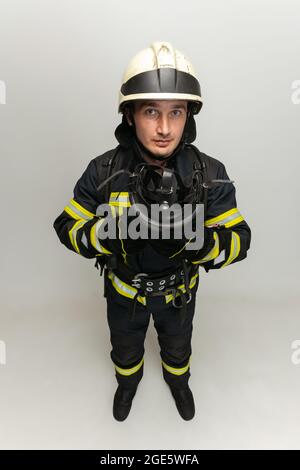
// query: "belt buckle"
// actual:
[[136, 281]]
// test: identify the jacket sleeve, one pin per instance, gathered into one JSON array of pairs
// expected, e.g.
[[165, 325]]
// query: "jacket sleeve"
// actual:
[[75, 226], [231, 233]]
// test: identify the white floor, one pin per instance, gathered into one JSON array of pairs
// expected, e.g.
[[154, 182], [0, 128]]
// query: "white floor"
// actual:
[[58, 383]]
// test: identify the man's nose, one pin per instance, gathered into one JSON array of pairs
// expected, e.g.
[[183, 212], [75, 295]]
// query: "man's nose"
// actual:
[[163, 125]]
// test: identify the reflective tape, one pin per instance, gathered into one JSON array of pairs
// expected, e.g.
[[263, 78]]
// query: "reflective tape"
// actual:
[[214, 252], [73, 233], [176, 370], [125, 289], [78, 212], [220, 258], [120, 199], [235, 247], [84, 240], [95, 240], [228, 218], [130, 371], [119, 194]]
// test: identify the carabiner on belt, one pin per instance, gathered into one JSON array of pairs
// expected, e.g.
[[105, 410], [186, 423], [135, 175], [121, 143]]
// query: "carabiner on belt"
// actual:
[[181, 293]]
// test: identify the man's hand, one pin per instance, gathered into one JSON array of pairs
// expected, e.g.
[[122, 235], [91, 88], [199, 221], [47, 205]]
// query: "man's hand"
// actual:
[[173, 248], [118, 241]]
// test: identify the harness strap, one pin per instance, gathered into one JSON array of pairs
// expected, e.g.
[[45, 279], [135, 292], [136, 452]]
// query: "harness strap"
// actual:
[[186, 277], [133, 310], [183, 309], [100, 261]]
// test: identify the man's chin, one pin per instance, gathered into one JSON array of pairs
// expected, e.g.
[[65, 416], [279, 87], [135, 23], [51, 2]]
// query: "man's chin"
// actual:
[[162, 151]]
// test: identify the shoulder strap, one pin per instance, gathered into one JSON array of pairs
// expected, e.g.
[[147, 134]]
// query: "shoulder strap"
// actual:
[[204, 170], [104, 167]]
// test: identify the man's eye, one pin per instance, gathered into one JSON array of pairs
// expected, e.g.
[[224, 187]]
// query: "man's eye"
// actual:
[[177, 111], [151, 111]]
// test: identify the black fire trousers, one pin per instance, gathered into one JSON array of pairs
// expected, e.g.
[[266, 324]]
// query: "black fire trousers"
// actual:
[[127, 337]]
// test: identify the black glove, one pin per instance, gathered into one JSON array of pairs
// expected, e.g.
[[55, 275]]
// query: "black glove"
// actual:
[[173, 248], [209, 241], [120, 244], [224, 237]]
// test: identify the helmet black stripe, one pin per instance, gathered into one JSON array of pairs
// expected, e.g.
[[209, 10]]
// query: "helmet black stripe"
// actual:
[[163, 80]]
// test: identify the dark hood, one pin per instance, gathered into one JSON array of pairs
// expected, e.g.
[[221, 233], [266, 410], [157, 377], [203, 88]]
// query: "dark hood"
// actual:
[[125, 133]]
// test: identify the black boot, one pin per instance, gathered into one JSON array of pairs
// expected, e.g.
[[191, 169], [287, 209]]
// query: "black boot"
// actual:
[[184, 402], [122, 402]]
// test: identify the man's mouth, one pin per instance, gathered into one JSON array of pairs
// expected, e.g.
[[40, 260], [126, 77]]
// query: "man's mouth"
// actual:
[[162, 143]]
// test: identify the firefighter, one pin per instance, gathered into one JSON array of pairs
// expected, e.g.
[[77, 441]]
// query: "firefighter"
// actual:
[[153, 161]]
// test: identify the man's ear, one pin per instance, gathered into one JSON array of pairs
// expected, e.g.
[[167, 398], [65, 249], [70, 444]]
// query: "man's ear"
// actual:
[[128, 115]]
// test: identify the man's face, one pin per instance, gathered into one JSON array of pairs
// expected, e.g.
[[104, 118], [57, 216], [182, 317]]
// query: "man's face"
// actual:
[[159, 124]]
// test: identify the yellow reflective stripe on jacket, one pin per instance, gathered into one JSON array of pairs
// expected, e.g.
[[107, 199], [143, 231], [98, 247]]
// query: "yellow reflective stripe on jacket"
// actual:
[[235, 247], [170, 297], [120, 199], [119, 194], [125, 289], [78, 212], [176, 370], [73, 233], [82, 215], [130, 371], [214, 252], [228, 218], [95, 241], [117, 202]]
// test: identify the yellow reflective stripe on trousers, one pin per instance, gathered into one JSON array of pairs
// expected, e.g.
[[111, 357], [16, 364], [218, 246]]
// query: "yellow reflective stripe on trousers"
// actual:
[[214, 252], [176, 370], [235, 247], [228, 218], [78, 212], [129, 371]]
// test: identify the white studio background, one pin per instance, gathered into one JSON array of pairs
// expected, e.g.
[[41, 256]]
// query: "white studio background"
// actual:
[[61, 64]]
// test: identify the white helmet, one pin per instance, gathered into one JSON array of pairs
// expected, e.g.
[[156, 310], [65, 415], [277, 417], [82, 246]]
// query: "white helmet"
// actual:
[[160, 72]]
